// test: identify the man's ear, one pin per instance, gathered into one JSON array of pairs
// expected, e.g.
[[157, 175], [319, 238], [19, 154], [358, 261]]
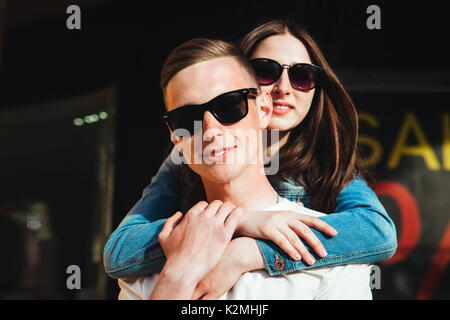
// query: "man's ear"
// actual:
[[175, 140], [265, 108]]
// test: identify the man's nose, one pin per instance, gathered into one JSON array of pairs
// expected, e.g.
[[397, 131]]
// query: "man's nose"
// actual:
[[211, 127], [283, 85]]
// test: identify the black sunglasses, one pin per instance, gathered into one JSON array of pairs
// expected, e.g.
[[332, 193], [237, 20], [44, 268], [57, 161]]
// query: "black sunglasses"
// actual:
[[303, 76], [227, 108]]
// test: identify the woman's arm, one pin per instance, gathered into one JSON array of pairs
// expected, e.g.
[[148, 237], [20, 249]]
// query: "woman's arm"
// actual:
[[366, 234], [133, 249]]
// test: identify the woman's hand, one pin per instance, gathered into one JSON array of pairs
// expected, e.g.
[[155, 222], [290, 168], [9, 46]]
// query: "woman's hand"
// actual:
[[196, 244], [284, 228], [242, 255]]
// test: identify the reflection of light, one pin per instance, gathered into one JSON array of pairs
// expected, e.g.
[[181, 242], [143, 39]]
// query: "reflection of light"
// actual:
[[33, 224], [91, 118], [78, 122]]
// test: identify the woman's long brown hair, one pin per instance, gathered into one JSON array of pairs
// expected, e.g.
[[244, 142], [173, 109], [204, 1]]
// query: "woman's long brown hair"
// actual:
[[321, 153]]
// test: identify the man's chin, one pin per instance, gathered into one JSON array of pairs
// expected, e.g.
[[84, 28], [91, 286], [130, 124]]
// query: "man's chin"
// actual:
[[222, 173]]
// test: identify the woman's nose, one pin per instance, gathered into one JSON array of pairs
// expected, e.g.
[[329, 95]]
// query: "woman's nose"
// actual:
[[283, 85]]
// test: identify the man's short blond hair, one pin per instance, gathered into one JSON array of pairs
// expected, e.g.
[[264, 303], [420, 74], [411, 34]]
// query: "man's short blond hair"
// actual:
[[199, 50]]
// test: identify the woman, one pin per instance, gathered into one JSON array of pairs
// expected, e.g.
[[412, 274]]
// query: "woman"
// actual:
[[319, 166]]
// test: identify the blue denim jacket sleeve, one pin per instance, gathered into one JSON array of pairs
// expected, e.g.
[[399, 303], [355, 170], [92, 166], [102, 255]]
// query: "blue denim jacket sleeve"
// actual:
[[133, 249], [366, 234]]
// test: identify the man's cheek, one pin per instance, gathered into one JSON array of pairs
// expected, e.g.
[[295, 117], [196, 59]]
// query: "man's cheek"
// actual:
[[186, 149]]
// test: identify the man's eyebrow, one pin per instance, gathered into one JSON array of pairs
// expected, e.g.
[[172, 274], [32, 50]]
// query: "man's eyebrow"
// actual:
[[190, 103], [197, 103]]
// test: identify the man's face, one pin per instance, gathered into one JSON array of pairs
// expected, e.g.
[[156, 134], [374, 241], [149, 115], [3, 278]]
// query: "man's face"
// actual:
[[220, 152]]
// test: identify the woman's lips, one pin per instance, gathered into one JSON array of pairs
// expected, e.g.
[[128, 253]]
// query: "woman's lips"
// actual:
[[281, 108]]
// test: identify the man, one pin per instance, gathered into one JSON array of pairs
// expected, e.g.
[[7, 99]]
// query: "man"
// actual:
[[208, 80]]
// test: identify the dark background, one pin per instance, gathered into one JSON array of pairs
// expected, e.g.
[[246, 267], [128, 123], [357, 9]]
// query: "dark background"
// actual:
[[122, 44]]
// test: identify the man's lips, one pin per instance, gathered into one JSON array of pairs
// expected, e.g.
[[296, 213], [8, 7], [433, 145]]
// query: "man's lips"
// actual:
[[280, 107], [217, 153]]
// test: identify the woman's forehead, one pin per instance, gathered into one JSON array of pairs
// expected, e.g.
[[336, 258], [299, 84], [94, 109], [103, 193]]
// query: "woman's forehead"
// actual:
[[284, 48]]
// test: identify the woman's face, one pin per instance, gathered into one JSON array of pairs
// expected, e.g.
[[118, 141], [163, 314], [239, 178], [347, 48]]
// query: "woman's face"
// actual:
[[290, 106]]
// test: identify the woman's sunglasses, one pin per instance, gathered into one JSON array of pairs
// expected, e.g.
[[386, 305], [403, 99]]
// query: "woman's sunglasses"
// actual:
[[227, 108], [303, 76]]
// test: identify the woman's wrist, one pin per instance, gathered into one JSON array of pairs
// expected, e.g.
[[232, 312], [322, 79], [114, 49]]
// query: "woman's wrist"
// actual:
[[246, 254], [243, 229]]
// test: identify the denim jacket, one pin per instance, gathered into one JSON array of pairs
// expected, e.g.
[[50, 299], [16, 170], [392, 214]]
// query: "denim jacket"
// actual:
[[366, 234]]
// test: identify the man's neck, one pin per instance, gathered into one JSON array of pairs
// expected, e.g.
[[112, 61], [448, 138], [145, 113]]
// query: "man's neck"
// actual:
[[251, 190]]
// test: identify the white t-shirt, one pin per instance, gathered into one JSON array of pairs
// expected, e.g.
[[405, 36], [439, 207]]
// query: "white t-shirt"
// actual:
[[349, 282]]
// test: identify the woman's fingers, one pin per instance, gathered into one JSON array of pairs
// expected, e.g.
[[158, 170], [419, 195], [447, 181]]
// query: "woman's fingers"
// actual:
[[280, 240], [299, 246], [318, 224], [306, 234]]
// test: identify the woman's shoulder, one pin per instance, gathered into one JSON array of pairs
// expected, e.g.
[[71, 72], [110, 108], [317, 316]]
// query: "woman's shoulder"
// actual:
[[287, 185], [295, 191], [358, 190], [356, 184], [290, 189]]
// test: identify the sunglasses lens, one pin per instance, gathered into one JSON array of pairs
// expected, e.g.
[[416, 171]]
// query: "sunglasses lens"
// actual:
[[230, 107], [303, 76], [266, 71], [227, 108], [184, 118]]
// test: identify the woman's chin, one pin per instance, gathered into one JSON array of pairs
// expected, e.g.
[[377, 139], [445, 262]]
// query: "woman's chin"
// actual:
[[278, 123]]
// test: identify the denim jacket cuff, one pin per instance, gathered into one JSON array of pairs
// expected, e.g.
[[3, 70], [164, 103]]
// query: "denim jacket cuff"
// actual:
[[276, 261]]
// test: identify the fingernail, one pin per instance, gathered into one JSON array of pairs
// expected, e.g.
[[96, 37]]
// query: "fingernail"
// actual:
[[323, 252], [312, 260], [298, 257]]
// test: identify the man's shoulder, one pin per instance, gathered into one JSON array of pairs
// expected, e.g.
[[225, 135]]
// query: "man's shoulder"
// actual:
[[286, 205]]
